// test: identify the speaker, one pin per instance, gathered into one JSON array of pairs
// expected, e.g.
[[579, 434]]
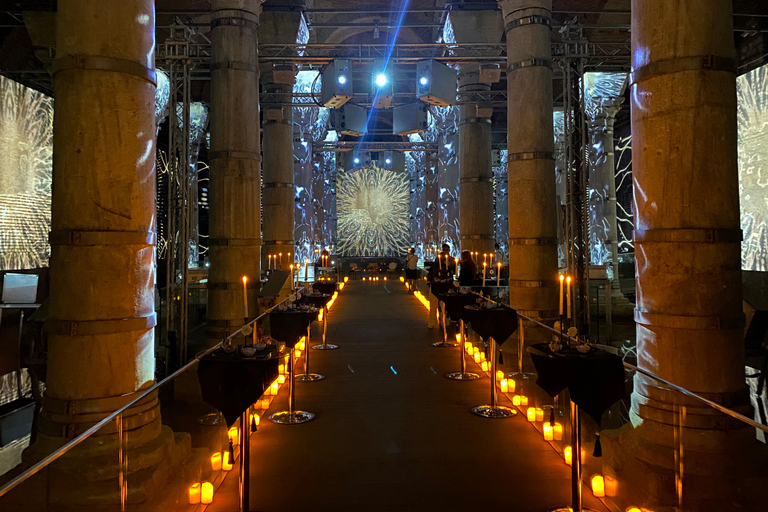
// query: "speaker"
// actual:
[[410, 118], [336, 88], [392, 161], [436, 83], [351, 120]]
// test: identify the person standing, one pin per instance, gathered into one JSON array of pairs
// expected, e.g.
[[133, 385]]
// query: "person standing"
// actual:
[[411, 269], [468, 273], [440, 275]]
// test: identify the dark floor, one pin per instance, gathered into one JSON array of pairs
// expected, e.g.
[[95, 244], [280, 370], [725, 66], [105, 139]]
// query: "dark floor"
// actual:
[[391, 432]]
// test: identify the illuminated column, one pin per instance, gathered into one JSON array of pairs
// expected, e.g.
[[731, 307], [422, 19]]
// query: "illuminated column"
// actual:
[[101, 344], [278, 195], [235, 183], [602, 191], [690, 324], [476, 174], [530, 167]]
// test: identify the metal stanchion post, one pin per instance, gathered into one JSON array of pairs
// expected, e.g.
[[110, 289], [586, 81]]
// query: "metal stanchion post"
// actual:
[[291, 417], [462, 375], [245, 462], [520, 351], [493, 410], [308, 377], [324, 345], [445, 343]]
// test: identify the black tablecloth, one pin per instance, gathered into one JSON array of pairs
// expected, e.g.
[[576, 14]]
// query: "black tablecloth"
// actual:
[[497, 323], [325, 287], [455, 302], [231, 383], [290, 326], [441, 287], [317, 301], [595, 379]]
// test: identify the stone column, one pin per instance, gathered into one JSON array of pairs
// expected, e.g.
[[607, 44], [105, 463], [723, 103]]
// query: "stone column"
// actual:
[[101, 346], [278, 200], [476, 174], [235, 158], [531, 172], [602, 191]]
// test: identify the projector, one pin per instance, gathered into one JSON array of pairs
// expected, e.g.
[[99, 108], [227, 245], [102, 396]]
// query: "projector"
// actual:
[[392, 161], [355, 160], [336, 87], [410, 118], [351, 120], [436, 83]]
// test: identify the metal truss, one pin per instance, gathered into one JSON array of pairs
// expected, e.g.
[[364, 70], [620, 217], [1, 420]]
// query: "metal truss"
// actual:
[[342, 146]]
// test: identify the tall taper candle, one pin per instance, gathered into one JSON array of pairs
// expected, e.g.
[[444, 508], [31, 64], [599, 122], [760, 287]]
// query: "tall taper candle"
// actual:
[[457, 268], [306, 270], [561, 297], [281, 261], [485, 267], [245, 297], [568, 281], [498, 274]]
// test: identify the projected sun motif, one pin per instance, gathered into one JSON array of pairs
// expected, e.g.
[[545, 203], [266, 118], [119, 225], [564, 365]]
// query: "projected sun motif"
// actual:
[[372, 208], [752, 93], [26, 139]]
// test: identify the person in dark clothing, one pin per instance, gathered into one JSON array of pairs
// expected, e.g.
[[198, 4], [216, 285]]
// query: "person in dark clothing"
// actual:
[[468, 272]]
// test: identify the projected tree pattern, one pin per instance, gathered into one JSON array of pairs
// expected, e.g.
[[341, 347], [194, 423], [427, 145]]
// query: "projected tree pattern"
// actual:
[[372, 208], [26, 139]]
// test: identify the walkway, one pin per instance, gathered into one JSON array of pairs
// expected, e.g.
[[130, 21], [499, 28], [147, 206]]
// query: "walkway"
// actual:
[[392, 433]]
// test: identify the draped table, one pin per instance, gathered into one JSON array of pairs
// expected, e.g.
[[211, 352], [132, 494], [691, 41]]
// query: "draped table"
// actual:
[[320, 299], [454, 303], [496, 324], [289, 326], [595, 381], [440, 289]]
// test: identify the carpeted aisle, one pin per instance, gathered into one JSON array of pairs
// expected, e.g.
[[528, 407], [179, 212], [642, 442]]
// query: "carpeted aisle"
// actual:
[[391, 432]]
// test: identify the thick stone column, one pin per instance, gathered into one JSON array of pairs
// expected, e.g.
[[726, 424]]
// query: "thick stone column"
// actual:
[[531, 172], [235, 158], [476, 173], [278, 194], [602, 190]]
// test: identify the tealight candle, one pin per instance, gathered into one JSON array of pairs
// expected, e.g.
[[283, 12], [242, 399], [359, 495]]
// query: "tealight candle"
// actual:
[[499, 375], [557, 431], [512, 385], [539, 414], [281, 379], [531, 414], [216, 461], [549, 434], [504, 383], [265, 403], [276, 387], [484, 366], [598, 486], [206, 493], [281, 369], [194, 493], [520, 400], [234, 435], [226, 464], [476, 356], [568, 454], [255, 419], [611, 486]]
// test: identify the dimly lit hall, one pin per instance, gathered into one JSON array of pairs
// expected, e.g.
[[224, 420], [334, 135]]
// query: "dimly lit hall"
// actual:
[[271, 256]]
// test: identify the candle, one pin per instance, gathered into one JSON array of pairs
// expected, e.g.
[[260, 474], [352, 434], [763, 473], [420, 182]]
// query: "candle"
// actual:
[[306, 270], [194, 493], [216, 461], [226, 464], [530, 414], [439, 262], [611, 486], [291, 274], [520, 400], [498, 274], [265, 403], [255, 418], [598, 486], [234, 435], [485, 257], [568, 454], [275, 387], [206, 493], [539, 414], [281, 379], [504, 385], [549, 433], [561, 297], [484, 366], [281, 369], [457, 268], [245, 297], [485, 267], [568, 281], [499, 375]]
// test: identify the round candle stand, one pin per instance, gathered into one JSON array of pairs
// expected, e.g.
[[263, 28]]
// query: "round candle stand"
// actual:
[[493, 410], [291, 417], [445, 343], [463, 374], [323, 345]]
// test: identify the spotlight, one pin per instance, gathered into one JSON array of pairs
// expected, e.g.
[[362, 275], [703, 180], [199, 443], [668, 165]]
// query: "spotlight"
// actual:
[[436, 84], [342, 79], [357, 160], [423, 80], [336, 84], [388, 161], [381, 79]]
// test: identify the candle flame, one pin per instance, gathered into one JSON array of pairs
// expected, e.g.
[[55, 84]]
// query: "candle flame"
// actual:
[[562, 276], [245, 279], [568, 279]]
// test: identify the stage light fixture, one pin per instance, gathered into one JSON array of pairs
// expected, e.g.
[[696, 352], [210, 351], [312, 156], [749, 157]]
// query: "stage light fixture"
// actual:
[[436, 84], [355, 160], [381, 86], [381, 80], [393, 161], [410, 118], [336, 84], [388, 161], [351, 120]]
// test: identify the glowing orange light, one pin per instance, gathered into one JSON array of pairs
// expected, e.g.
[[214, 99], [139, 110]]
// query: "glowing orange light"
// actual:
[[194, 493], [206, 493]]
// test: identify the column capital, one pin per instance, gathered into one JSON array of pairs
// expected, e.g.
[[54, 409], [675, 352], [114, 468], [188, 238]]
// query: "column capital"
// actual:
[[512, 9]]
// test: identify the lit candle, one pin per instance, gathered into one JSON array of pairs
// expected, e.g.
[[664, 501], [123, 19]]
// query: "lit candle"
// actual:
[[530, 414], [484, 366], [611, 486], [216, 461], [557, 431], [226, 464], [476, 357], [306, 270], [561, 297], [568, 281], [485, 267], [498, 274], [275, 387], [234, 435], [265, 403], [281, 379], [439, 262], [281, 261], [504, 385], [549, 433], [206, 493], [499, 375], [194, 493], [457, 268], [539, 414], [568, 454], [291, 273], [245, 297], [598, 486], [520, 400], [255, 418]]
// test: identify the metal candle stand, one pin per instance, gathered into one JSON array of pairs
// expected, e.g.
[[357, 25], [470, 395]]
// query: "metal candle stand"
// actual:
[[309, 377], [463, 374], [291, 417], [493, 410], [245, 462], [445, 343], [323, 345]]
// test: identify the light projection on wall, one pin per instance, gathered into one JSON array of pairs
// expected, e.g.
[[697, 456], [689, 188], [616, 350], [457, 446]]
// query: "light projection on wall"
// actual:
[[752, 94], [26, 139], [372, 212]]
